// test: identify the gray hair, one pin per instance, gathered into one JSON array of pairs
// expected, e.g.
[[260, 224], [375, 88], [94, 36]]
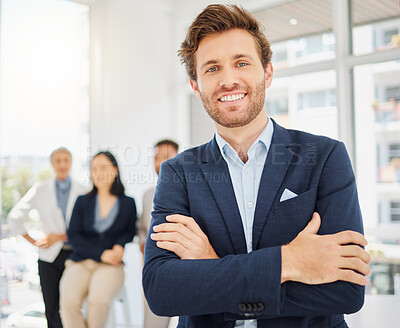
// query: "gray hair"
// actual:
[[58, 150]]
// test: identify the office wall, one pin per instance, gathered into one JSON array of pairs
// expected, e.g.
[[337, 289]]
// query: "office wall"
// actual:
[[133, 84]]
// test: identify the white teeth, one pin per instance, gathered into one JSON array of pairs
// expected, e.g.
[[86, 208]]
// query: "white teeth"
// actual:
[[232, 97]]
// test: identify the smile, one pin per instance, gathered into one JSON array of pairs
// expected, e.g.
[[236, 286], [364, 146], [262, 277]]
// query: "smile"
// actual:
[[230, 98]]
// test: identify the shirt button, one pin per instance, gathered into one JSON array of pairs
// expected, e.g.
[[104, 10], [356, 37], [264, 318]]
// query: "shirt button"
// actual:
[[246, 170], [250, 204], [251, 320]]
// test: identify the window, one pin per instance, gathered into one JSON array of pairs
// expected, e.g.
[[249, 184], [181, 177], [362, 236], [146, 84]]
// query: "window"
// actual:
[[277, 102], [394, 151], [376, 25], [44, 83], [202, 127], [395, 212], [279, 55], [388, 36], [393, 93], [300, 32], [316, 99], [322, 44]]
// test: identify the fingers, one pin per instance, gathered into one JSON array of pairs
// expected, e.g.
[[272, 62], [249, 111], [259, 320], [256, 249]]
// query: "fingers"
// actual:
[[353, 277], [184, 237], [187, 221], [176, 248], [172, 237], [355, 251], [350, 237], [355, 263], [176, 232], [42, 243], [314, 224]]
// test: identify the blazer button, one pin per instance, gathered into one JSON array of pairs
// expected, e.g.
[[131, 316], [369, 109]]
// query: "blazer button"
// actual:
[[249, 307], [255, 307], [242, 307], [260, 306]]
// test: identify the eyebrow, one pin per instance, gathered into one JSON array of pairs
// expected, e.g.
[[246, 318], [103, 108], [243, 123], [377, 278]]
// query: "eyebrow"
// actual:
[[239, 56], [209, 62], [236, 57]]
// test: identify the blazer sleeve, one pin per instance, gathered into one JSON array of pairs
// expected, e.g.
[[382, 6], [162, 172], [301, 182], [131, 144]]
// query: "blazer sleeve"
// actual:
[[193, 287], [337, 204], [130, 217], [77, 236]]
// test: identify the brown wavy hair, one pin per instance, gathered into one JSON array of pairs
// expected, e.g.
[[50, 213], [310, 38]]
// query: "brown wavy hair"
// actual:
[[218, 18]]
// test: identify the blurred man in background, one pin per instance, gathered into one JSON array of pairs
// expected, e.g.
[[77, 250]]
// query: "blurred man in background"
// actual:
[[164, 149]]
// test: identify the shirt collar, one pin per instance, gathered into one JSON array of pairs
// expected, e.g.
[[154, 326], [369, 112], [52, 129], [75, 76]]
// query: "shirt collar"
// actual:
[[63, 185], [263, 140]]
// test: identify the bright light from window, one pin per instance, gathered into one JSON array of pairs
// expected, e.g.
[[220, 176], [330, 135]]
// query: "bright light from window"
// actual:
[[44, 79]]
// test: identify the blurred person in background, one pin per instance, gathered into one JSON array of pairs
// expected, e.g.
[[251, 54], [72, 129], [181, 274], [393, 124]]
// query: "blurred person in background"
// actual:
[[54, 200], [164, 149], [102, 222]]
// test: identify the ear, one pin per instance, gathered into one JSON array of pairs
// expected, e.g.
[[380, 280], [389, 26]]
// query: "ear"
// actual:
[[195, 87], [269, 72]]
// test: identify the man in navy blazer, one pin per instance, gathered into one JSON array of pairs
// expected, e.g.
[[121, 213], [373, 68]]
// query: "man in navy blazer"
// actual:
[[261, 226]]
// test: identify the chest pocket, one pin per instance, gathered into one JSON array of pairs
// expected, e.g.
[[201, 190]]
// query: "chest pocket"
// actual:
[[289, 217]]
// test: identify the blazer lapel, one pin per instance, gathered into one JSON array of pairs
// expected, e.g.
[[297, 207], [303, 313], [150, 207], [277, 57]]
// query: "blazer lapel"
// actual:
[[276, 164], [216, 173], [71, 202], [53, 200], [90, 210]]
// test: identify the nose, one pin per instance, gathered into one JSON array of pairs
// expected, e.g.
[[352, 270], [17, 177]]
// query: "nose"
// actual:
[[228, 78]]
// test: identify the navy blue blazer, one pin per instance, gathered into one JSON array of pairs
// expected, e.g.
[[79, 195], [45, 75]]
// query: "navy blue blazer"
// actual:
[[86, 242], [216, 292]]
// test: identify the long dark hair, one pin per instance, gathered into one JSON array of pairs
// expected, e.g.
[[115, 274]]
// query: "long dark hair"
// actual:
[[117, 187]]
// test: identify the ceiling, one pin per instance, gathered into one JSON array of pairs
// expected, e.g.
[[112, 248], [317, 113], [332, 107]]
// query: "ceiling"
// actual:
[[315, 16]]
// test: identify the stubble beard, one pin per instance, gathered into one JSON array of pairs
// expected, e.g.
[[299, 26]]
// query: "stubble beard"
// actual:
[[232, 119]]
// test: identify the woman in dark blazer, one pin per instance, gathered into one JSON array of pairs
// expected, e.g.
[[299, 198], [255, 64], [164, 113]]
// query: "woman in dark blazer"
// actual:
[[102, 222]]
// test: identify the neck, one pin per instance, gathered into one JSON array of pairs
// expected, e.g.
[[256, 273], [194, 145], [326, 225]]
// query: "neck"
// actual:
[[241, 138], [103, 191], [61, 178]]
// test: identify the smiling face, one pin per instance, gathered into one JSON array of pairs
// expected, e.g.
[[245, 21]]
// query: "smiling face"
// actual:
[[231, 80]]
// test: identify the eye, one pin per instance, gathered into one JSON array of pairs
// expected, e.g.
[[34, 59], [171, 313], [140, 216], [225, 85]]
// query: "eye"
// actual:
[[212, 69], [242, 64]]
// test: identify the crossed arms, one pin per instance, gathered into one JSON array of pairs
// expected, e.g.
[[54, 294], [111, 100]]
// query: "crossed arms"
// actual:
[[309, 258], [312, 275]]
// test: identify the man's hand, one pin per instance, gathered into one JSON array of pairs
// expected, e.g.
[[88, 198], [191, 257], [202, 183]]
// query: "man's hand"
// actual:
[[50, 239], [183, 236], [315, 259]]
